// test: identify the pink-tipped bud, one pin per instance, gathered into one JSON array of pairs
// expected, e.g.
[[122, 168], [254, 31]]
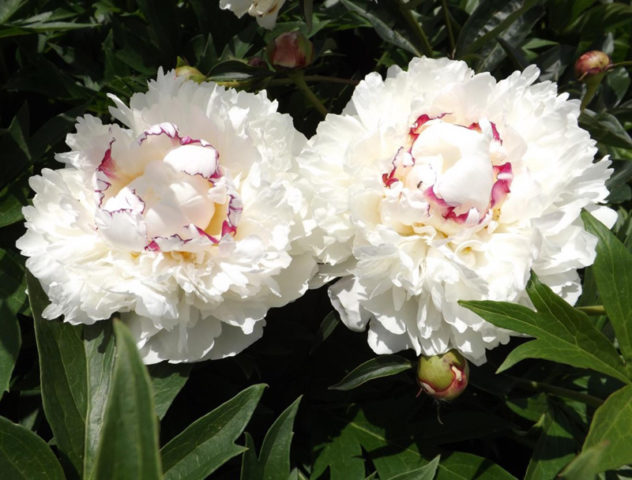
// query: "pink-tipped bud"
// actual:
[[592, 63], [291, 50], [191, 73], [443, 377]]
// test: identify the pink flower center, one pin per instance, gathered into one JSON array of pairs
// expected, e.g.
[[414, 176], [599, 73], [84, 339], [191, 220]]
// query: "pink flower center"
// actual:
[[450, 176], [166, 192]]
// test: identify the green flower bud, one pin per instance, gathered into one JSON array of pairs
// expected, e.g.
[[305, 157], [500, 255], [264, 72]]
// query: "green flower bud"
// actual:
[[591, 64], [445, 376], [190, 73], [291, 50]]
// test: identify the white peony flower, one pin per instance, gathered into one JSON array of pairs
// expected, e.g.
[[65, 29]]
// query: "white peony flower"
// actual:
[[265, 11], [184, 220], [438, 185]]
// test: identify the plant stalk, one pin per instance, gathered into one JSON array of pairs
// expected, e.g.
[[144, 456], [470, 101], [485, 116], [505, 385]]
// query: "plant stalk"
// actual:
[[415, 28], [299, 80]]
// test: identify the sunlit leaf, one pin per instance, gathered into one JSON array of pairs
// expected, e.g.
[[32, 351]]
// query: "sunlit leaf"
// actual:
[[274, 459], [563, 334], [378, 367], [128, 447], [25, 456], [613, 273], [76, 366], [208, 442]]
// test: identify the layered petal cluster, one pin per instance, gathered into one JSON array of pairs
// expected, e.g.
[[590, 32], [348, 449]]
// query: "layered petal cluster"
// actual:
[[438, 185], [185, 219], [265, 11]]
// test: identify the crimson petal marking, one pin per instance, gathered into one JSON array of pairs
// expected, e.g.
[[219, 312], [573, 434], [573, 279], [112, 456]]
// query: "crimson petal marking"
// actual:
[[229, 226], [504, 177], [104, 172], [415, 130], [171, 130]]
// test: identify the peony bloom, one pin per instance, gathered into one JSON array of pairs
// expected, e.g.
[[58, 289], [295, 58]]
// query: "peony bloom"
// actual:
[[265, 11], [438, 185], [184, 220]]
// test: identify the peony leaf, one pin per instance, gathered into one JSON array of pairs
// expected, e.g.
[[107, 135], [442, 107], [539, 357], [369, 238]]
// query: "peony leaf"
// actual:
[[274, 458], [342, 454], [612, 424], [25, 456], [606, 128], [563, 334], [208, 442], [427, 472], [556, 445], [167, 380], [377, 367], [488, 22], [128, 448], [613, 274], [382, 28], [12, 298], [76, 366], [465, 466], [585, 464]]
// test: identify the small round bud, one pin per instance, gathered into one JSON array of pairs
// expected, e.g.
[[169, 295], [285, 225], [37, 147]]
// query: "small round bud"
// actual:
[[445, 376], [291, 50], [592, 63], [191, 73]]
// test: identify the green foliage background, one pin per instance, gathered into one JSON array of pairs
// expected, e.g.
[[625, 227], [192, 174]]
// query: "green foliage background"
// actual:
[[78, 403]]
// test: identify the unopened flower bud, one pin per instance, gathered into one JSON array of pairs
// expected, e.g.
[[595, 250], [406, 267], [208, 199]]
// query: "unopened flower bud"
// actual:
[[591, 64], [190, 73], [445, 376], [291, 50]]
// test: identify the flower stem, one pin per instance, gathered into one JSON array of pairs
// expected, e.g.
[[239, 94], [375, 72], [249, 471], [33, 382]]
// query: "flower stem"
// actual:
[[591, 89], [415, 28], [448, 23], [593, 309], [299, 80], [557, 391]]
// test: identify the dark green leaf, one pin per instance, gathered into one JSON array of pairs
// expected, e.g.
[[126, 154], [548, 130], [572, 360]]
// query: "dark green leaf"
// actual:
[[8, 8], [327, 327], [490, 19], [128, 448], [274, 458], [586, 464], [427, 472], [12, 298], [342, 454], [25, 456], [555, 448], [563, 334], [167, 380], [12, 198], [604, 127], [385, 31], [76, 367], [465, 466], [612, 423], [208, 442], [613, 273], [378, 367]]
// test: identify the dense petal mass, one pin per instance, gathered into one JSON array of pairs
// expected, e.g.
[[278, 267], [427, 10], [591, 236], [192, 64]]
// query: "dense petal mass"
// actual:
[[437, 185], [189, 220]]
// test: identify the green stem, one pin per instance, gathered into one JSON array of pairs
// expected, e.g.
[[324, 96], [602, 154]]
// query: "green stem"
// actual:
[[415, 29], [287, 81], [592, 85], [299, 80], [557, 391], [593, 309], [448, 23]]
